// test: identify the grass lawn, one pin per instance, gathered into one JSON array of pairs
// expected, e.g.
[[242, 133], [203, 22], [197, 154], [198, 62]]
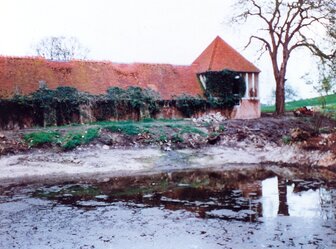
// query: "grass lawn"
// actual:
[[292, 105]]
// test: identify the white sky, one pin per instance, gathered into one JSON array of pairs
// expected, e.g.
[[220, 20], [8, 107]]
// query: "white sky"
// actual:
[[160, 31]]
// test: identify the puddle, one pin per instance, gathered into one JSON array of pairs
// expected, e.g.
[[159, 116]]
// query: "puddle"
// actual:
[[216, 195], [188, 209]]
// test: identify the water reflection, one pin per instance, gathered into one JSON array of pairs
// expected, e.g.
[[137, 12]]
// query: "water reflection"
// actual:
[[270, 200], [297, 198], [208, 194]]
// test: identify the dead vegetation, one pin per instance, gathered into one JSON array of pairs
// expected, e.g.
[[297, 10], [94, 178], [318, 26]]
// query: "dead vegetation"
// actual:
[[11, 146]]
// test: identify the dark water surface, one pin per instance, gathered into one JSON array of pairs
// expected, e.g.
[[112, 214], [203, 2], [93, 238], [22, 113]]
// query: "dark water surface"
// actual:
[[186, 209]]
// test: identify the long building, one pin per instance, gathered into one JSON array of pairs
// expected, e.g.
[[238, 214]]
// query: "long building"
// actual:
[[24, 75]]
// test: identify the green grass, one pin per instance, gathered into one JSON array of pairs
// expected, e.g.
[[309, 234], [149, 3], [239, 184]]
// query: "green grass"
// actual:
[[152, 126], [292, 105], [286, 139], [186, 128], [176, 138], [105, 123], [36, 139], [157, 131], [74, 139], [162, 138], [90, 134], [128, 129], [71, 141], [191, 129], [162, 120], [68, 141]]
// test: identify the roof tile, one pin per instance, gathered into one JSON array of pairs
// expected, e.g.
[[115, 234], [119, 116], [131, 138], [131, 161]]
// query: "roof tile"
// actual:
[[24, 74], [219, 55]]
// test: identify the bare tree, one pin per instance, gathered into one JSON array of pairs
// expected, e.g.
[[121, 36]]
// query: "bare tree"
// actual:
[[60, 48], [286, 26]]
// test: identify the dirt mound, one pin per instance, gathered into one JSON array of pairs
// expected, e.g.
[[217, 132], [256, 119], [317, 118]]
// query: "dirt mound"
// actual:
[[11, 146], [310, 133]]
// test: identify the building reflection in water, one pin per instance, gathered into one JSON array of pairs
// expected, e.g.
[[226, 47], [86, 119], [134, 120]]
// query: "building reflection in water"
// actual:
[[215, 195]]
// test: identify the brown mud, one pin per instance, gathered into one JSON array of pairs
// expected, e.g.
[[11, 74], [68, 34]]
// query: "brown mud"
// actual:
[[266, 183], [232, 207]]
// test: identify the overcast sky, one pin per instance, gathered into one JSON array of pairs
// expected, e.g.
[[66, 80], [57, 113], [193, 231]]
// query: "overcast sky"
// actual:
[[160, 31]]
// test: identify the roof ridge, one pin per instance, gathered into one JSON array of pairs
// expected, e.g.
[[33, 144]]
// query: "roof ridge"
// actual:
[[213, 54], [115, 63]]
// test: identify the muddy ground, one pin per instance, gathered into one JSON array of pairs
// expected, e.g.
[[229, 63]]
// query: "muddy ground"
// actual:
[[266, 183], [234, 206], [302, 141]]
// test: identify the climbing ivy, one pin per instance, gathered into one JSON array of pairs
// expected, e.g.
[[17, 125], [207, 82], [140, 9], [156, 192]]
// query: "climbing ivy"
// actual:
[[140, 98], [190, 105], [47, 107], [59, 105], [119, 101], [224, 88]]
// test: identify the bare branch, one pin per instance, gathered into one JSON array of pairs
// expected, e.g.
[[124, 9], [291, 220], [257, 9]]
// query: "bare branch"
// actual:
[[264, 41], [286, 27]]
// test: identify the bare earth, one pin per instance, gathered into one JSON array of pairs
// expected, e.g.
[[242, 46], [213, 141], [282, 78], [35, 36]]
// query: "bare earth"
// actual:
[[242, 142], [248, 190]]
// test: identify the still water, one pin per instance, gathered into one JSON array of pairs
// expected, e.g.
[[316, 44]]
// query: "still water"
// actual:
[[187, 209]]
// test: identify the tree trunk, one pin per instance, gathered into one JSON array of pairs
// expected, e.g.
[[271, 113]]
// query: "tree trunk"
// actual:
[[279, 76], [280, 80], [280, 96]]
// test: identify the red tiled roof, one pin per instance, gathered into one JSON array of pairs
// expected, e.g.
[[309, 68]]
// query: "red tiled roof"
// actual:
[[24, 74], [219, 55]]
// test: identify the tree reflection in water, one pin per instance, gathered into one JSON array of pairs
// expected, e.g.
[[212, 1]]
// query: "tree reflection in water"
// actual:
[[298, 198]]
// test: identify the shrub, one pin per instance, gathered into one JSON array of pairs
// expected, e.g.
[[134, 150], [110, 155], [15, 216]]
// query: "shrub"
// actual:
[[221, 128], [162, 138], [286, 139], [214, 134], [190, 105], [176, 138], [137, 98], [115, 93]]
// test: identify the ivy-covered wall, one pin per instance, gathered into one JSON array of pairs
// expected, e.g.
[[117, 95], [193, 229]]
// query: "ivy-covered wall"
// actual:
[[66, 105], [223, 88]]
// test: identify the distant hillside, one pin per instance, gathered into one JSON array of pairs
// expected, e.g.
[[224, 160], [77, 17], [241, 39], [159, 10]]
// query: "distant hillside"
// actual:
[[292, 105]]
